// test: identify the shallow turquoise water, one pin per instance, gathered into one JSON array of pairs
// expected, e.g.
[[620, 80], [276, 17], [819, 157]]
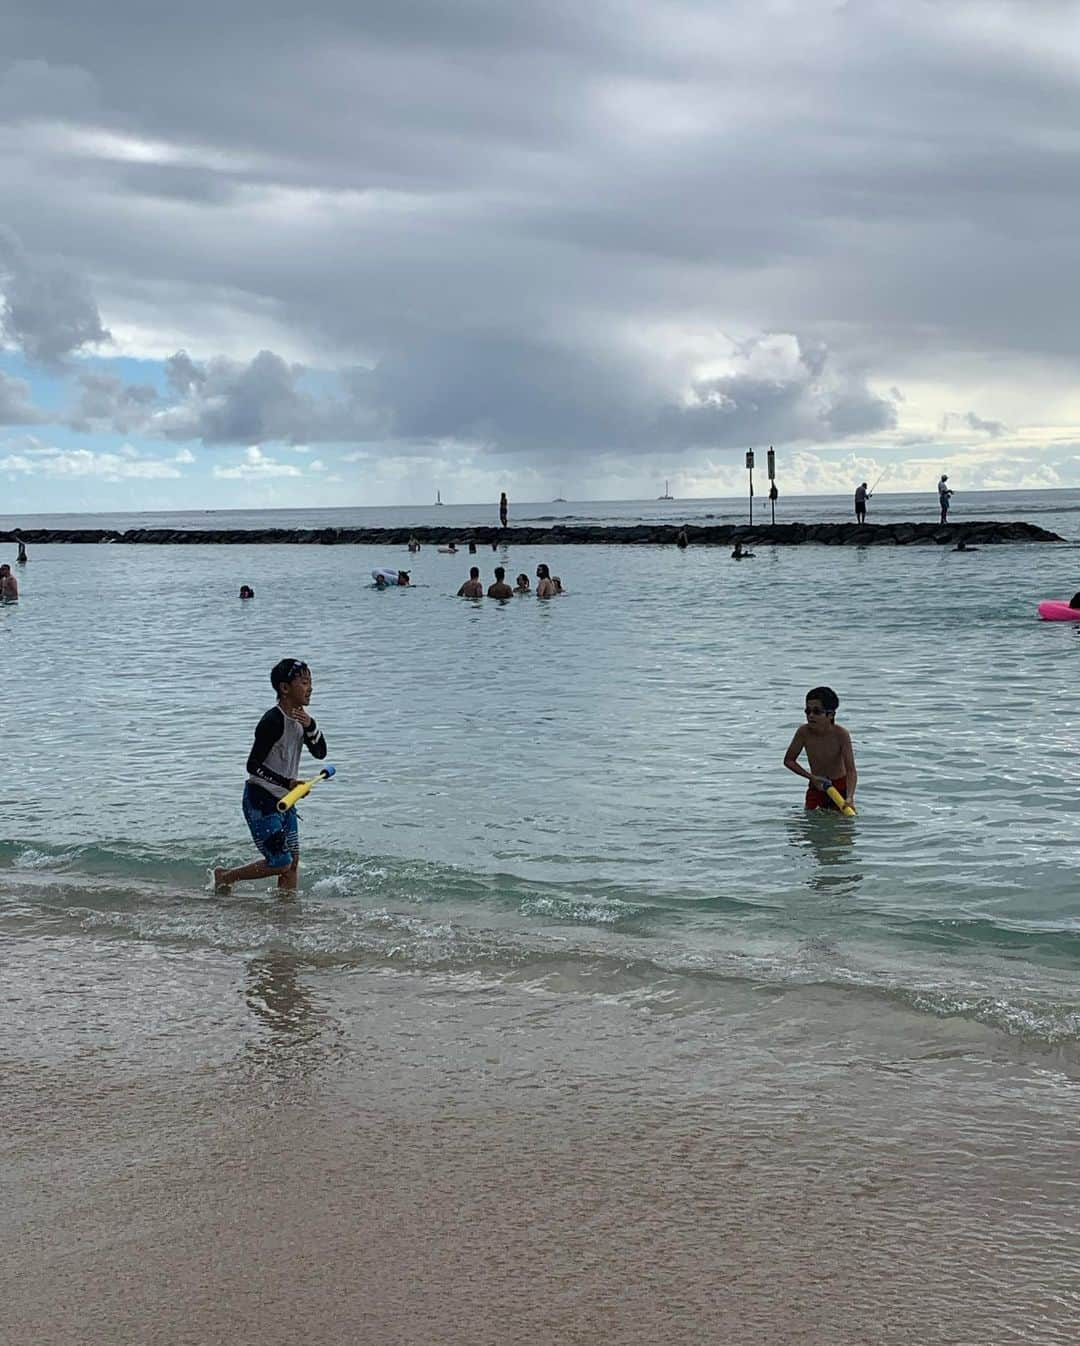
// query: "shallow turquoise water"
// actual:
[[586, 794]]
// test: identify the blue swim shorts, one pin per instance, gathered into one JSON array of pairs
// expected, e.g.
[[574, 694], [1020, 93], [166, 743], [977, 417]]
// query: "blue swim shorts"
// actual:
[[277, 835]]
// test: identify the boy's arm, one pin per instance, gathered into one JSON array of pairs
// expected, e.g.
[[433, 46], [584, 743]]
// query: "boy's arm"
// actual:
[[316, 744], [791, 757], [850, 773], [313, 737]]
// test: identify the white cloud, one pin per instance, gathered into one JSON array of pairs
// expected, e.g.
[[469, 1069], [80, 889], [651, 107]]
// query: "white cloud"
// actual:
[[256, 465], [44, 460]]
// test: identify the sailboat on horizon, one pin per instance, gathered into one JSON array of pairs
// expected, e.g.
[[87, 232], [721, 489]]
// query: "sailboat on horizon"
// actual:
[[438, 497], [667, 492]]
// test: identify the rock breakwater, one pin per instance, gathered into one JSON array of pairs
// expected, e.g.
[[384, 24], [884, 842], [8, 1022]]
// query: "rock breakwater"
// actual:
[[974, 533]]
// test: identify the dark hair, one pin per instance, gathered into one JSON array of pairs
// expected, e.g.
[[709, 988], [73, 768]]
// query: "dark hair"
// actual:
[[500, 574], [826, 696], [474, 572], [521, 577], [543, 571], [285, 670]]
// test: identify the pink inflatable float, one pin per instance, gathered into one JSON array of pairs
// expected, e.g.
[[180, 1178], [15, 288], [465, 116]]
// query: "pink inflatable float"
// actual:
[[1055, 610]]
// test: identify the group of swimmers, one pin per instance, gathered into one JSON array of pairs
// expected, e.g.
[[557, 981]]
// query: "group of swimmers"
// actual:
[[547, 584], [682, 541], [450, 548]]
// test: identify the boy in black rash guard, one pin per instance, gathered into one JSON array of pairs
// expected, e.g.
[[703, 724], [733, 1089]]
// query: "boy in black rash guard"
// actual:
[[272, 767]]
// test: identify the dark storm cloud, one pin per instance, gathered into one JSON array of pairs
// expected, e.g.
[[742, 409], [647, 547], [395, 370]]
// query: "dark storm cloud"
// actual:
[[543, 228], [106, 403], [226, 402], [46, 310]]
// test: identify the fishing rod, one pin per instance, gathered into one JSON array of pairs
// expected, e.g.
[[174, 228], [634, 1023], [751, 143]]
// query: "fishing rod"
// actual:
[[882, 473]]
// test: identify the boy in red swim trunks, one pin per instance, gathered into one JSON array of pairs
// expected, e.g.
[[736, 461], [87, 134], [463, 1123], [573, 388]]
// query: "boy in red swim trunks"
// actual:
[[829, 753]]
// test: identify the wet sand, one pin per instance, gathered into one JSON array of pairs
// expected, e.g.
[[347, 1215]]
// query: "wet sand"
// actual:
[[394, 1162]]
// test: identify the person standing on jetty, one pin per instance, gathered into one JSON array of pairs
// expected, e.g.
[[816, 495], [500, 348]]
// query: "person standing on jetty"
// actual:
[[504, 510], [829, 753], [862, 494], [272, 767], [944, 496]]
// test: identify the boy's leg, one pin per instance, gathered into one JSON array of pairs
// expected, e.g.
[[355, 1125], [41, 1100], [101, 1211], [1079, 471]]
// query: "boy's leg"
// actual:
[[278, 838], [258, 869], [291, 843]]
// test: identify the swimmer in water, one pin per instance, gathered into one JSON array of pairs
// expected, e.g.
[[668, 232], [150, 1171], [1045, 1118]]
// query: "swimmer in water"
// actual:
[[739, 555], [829, 754], [390, 579], [522, 584], [500, 589], [472, 588], [246, 591], [9, 585]]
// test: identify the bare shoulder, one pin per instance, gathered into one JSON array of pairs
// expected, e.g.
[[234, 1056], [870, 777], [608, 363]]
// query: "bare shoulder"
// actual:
[[843, 735], [798, 740]]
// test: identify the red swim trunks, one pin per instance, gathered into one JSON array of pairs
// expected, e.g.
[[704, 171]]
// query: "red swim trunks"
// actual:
[[818, 799]]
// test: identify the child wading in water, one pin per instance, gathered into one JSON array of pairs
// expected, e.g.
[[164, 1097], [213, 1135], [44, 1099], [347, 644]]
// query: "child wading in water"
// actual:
[[272, 767], [828, 751]]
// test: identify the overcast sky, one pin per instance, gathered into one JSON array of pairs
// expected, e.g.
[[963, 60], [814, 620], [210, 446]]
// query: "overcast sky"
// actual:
[[352, 253]]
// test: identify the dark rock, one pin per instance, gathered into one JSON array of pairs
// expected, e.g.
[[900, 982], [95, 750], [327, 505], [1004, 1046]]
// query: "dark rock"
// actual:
[[722, 535]]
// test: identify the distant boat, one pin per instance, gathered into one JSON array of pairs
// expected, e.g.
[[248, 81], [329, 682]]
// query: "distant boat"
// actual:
[[438, 497], [667, 492], [559, 500]]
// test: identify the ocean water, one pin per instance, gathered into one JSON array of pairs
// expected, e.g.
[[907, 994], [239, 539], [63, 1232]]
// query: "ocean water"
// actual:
[[593, 784], [884, 507]]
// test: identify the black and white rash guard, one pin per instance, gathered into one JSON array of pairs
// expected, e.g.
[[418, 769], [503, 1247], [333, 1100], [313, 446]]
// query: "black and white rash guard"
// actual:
[[274, 761]]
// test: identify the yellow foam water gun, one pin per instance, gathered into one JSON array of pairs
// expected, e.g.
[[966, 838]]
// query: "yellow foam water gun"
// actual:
[[300, 791], [834, 794]]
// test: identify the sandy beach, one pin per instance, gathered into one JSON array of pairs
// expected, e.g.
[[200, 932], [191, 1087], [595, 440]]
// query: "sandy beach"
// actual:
[[471, 1164]]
